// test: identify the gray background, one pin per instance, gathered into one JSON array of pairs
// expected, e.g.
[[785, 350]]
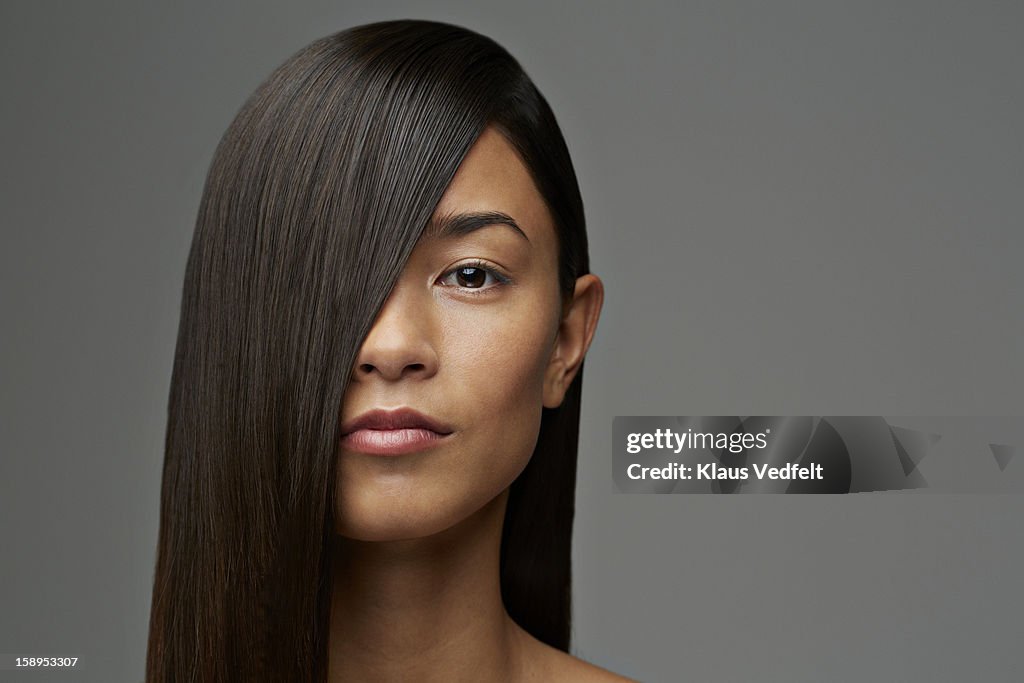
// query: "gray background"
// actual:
[[798, 209]]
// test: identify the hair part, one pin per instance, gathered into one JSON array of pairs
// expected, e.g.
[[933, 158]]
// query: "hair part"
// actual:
[[315, 198]]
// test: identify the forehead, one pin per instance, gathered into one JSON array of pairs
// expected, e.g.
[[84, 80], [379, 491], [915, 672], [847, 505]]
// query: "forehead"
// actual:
[[493, 178]]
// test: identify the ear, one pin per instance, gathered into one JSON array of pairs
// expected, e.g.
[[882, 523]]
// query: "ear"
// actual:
[[575, 331]]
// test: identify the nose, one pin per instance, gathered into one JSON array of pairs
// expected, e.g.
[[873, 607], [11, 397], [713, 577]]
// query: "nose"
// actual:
[[400, 343]]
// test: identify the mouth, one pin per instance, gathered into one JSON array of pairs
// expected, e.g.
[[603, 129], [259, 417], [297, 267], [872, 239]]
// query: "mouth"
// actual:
[[392, 432]]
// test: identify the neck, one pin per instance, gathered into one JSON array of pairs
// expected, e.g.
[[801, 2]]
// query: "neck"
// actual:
[[424, 609]]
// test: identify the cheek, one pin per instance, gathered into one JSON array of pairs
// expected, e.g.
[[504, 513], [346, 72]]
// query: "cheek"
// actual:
[[501, 356], [498, 360]]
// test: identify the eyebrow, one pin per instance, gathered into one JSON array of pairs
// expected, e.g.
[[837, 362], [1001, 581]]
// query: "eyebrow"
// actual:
[[459, 224]]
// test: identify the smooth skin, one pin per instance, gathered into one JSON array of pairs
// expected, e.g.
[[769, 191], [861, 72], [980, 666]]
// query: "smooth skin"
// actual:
[[475, 334]]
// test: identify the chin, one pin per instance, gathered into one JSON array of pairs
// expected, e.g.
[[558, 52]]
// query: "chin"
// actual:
[[382, 523], [378, 519], [383, 531]]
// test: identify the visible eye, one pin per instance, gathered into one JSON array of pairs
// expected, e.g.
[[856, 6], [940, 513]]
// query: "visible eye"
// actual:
[[473, 276]]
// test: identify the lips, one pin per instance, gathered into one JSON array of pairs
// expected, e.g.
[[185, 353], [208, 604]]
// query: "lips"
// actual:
[[392, 432]]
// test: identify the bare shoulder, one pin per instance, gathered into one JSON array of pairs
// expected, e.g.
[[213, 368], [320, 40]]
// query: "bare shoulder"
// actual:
[[571, 668], [549, 664]]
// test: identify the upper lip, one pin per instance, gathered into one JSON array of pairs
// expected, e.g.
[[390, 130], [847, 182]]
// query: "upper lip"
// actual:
[[402, 418]]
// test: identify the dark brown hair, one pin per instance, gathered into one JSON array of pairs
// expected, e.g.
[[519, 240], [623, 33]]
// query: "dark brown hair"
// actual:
[[315, 197]]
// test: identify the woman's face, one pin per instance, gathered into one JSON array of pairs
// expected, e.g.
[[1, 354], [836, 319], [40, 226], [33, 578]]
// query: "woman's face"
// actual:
[[444, 405]]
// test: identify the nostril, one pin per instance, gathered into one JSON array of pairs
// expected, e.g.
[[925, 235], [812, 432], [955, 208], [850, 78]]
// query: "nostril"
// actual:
[[413, 368]]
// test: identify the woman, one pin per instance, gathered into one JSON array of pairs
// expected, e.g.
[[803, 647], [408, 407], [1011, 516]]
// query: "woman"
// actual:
[[371, 444]]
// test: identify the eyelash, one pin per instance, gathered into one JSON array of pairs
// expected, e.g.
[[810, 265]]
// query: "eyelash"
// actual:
[[490, 271]]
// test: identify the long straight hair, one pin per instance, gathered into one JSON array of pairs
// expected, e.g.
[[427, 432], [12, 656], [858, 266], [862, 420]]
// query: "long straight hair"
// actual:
[[316, 195]]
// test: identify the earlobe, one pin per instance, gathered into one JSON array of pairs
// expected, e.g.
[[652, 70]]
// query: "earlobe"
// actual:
[[575, 332]]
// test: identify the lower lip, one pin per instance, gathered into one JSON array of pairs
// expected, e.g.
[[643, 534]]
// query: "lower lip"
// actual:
[[390, 441]]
